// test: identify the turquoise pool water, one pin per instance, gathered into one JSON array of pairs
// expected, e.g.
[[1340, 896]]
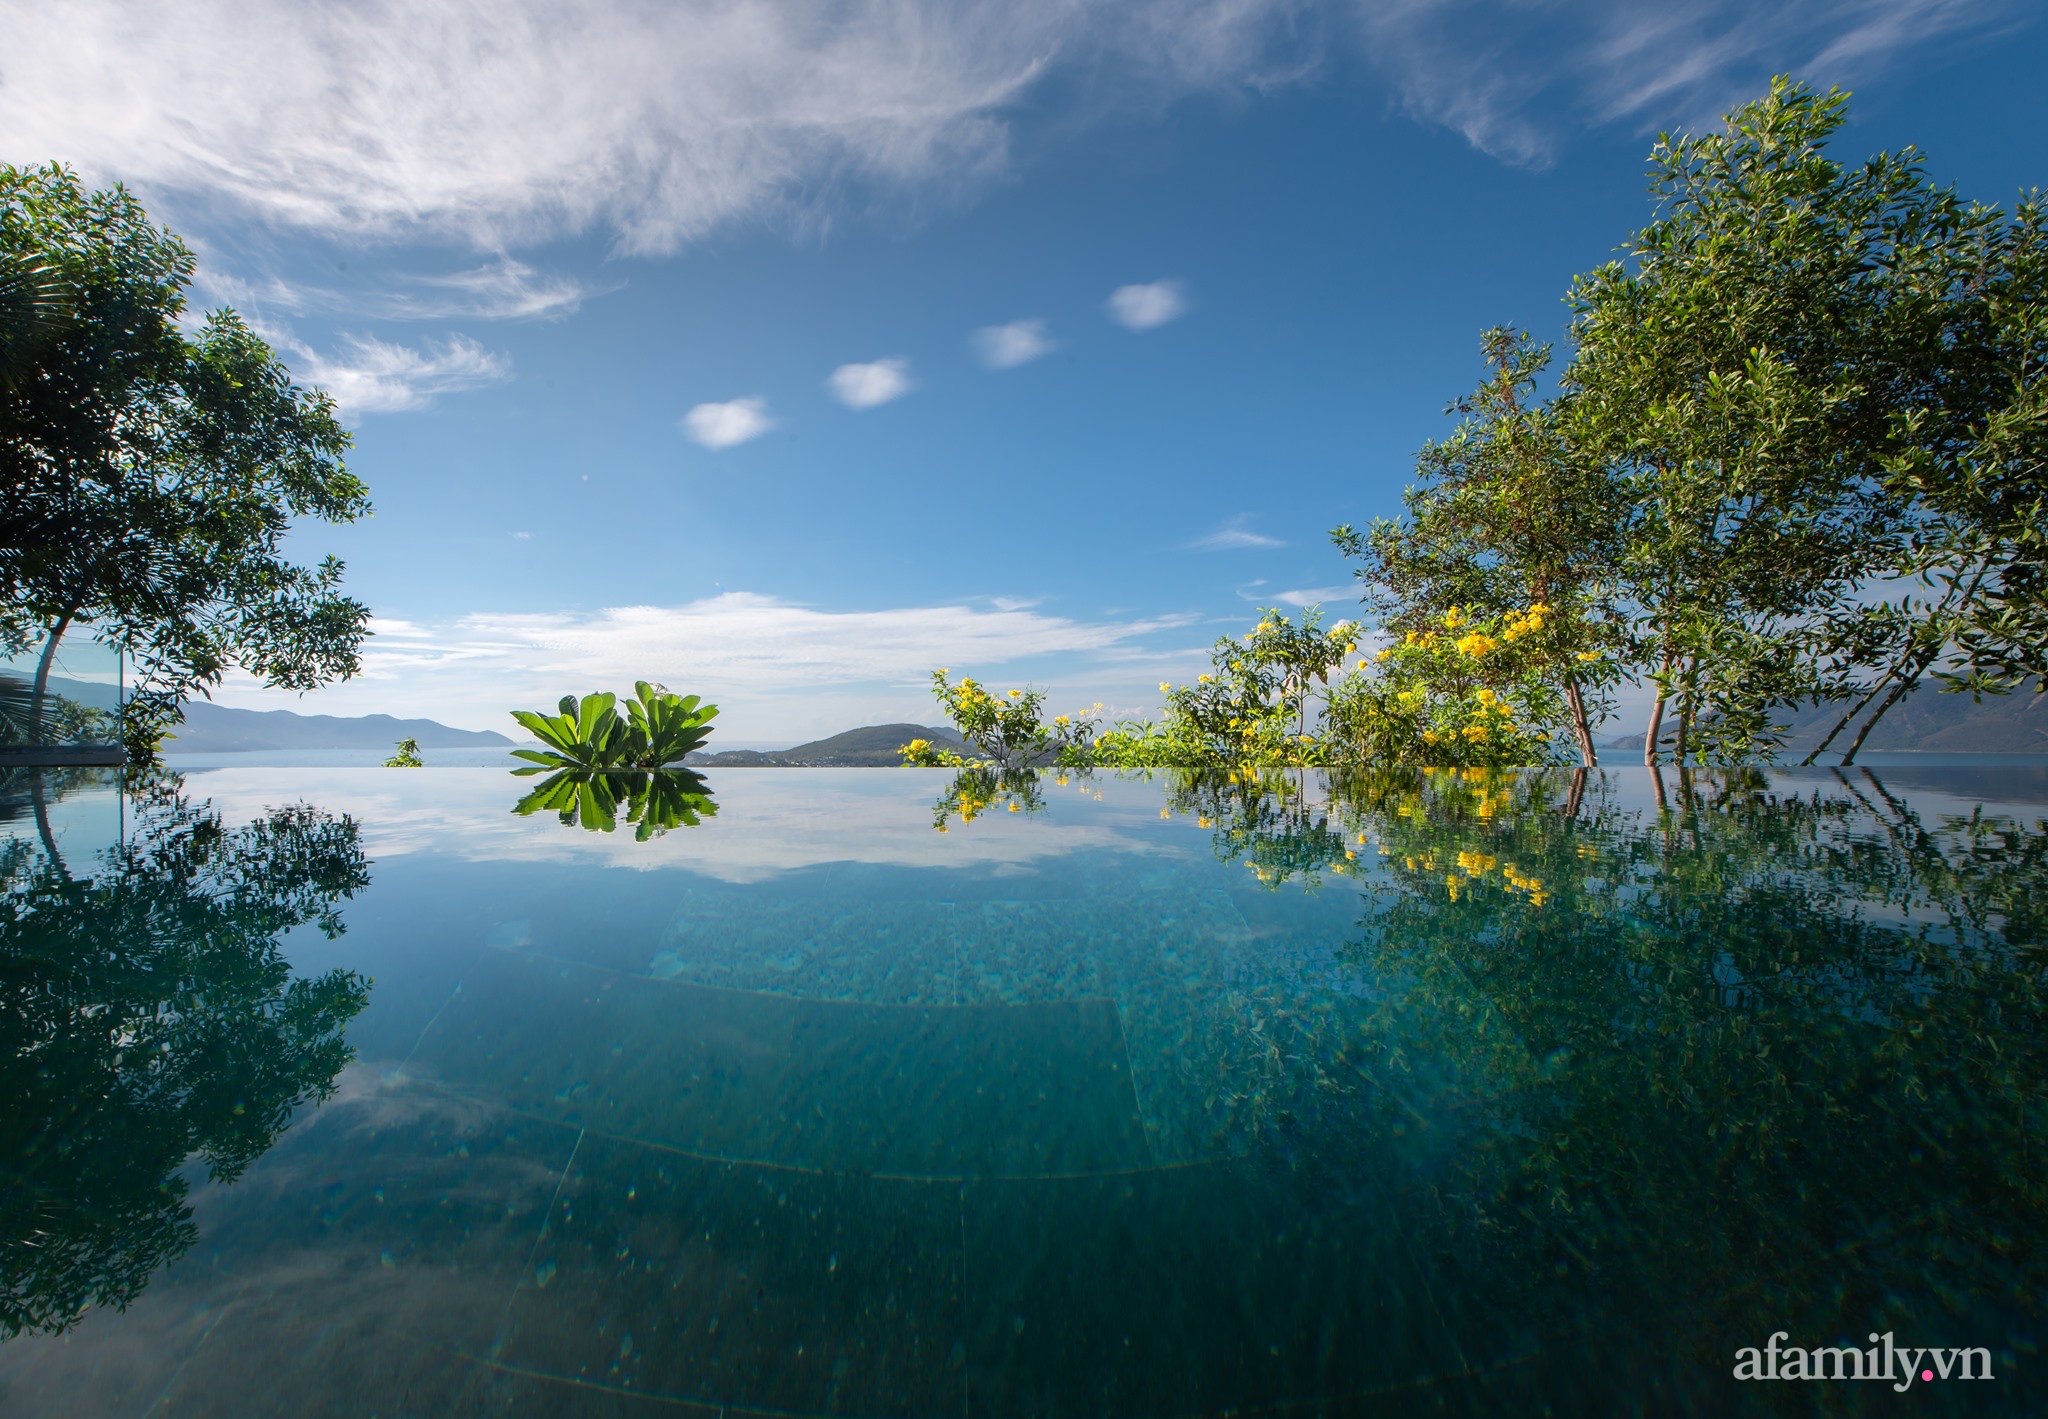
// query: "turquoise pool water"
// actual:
[[879, 1092]]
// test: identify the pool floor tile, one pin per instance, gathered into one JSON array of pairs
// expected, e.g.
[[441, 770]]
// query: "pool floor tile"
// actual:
[[975, 1091], [746, 1286]]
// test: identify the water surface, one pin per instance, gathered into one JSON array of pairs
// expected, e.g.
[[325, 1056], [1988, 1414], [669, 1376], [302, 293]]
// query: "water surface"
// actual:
[[879, 1092]]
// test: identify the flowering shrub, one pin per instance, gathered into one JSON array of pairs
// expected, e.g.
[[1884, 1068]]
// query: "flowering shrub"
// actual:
[[1008, 729], [1468, 691]]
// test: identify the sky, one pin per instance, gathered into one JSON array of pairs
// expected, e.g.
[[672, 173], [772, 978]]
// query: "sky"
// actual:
[[783, 351]]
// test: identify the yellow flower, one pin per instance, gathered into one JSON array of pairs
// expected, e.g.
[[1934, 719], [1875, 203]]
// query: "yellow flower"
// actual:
[[1015, 693], [1165, 688], [1476, 644], [1202, 679], [1475, 732], [1453, 619], [1589, 655], [1389, 650], [1351, 647]]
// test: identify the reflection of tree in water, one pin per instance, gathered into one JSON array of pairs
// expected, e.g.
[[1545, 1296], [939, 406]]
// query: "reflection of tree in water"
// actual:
[[147, 1016], [652, 800], [1771, 1053], [986, 789]]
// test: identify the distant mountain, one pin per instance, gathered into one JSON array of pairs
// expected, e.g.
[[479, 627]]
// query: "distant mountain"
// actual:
[[215, 729], [873, 746], [1925, 720]]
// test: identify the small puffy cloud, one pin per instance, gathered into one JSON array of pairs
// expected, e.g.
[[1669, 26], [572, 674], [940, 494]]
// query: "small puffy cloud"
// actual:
[[370, 376], [865, 386], [1147, 307], [1004, 347], [723, 425], [1234, 536]]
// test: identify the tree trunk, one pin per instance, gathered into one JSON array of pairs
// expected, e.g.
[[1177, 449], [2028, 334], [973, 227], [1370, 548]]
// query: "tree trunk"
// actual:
[[1588, 756], [36, 700], [1849, 755]]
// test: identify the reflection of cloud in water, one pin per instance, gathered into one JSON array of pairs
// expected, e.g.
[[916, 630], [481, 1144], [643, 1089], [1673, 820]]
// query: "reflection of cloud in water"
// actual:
[[769, 821], [393, 1221]]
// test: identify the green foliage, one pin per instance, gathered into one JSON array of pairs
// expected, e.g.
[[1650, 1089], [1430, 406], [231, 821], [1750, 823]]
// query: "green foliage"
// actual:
[[1009, 730], [149, 477], [653, 801], [1508, 516], [148, 1017], [658, 729], [1466, 691], [407, 757]]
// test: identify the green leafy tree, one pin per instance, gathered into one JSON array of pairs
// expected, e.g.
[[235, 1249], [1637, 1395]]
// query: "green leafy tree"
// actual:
[[148, 1017], [1759, 376], [1506, 516], [407, 757], [148, 477]]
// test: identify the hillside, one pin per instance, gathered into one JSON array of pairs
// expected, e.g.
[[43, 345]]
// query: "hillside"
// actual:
[[216, 729], [872, 746], [1927, 721]]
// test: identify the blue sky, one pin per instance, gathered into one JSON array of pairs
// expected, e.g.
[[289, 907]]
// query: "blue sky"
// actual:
[[784, 351]]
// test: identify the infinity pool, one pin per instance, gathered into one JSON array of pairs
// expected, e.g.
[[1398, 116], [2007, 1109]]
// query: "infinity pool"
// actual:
[[886, 1092]]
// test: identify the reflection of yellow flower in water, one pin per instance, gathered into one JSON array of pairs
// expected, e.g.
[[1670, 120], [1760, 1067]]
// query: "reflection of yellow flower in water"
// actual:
[[1013, 808], [1166, 812]]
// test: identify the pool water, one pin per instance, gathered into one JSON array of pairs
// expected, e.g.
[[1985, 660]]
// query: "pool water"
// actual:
[[891, 1092]]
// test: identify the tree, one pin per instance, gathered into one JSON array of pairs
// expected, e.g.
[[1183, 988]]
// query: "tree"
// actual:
[[1507, 517], [148, 477], [1781, 349]]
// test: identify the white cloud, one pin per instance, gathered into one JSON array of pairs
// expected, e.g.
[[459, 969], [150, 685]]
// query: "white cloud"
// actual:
[[496, 123], [1234, 536], [723, 425], [865, 386], [371, 376], [1147, 307], [782, 672], [1004, 347], [501, 122]]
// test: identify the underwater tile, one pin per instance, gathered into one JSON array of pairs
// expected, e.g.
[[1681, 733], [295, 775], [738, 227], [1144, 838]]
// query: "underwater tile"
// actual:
[[887, 952], [746, 1286], [973, 1090], [662, 1060], [345, 1272], [1195, 1290]]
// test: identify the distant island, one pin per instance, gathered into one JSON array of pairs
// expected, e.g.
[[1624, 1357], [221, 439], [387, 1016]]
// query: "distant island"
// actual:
[[873, 746]]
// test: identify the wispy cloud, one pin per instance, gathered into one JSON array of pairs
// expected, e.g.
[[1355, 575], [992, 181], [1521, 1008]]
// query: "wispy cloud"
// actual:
[[863, 386], [500, 122], [1004, 347], [1662, 66], [1313, 596], [733, 422], [1147, 307], [372, 376], [1233, 536], [503, 290]]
